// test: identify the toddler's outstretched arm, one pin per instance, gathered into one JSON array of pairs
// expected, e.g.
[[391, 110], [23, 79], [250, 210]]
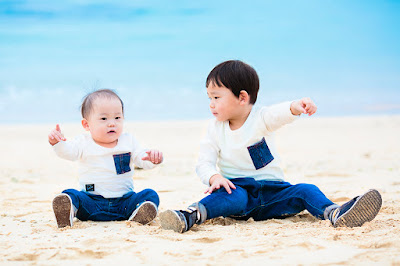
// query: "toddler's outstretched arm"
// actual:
[[303, 106], [56, 136]]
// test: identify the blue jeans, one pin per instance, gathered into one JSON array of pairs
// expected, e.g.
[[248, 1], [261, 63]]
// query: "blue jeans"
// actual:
[[263, 200], [98, 208]]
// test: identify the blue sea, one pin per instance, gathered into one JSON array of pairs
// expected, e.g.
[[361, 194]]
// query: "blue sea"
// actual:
[[345, 55]]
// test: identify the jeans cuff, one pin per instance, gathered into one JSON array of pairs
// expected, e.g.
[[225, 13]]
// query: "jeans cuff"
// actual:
[[201, 212], [329, 209]]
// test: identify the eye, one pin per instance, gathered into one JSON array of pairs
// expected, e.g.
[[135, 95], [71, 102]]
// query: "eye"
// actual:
[[216, 98], [103, 118], [118, 117]]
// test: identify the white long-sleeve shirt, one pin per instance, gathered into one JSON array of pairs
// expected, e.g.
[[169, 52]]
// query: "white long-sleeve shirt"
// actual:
[[97, 166], [227, 149]]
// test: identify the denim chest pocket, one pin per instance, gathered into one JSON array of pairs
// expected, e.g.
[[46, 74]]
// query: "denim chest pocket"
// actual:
[[121, 162], [260, 154]]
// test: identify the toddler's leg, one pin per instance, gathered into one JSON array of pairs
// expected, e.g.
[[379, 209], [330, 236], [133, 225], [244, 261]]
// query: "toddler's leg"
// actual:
[[283, 199], [219, 203], [357, 211], [182, 220]]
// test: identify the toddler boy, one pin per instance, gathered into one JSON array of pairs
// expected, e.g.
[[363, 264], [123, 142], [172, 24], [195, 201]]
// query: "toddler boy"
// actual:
[[250, 182]]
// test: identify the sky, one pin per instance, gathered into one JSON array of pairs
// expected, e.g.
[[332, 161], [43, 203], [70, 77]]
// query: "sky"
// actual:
[[345, 55]]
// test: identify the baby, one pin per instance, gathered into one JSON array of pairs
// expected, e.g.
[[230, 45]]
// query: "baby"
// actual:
[[106, 157]]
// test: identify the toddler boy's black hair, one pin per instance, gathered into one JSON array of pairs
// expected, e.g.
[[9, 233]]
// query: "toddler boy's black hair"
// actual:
[[236, 76]]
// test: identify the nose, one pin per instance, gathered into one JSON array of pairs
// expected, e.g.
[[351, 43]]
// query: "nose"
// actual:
[[212, 104], [111, 122]]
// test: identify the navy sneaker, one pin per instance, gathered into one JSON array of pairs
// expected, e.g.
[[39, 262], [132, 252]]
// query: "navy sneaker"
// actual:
[[357, 211], [181, 221], [63, 210], [145, 213]]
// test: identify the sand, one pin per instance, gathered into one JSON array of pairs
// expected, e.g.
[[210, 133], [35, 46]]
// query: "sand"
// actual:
[[343, 156]]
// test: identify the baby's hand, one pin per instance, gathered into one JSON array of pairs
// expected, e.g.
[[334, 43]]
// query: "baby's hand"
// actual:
[[217, 181], [56, 136], [303, 106], [154, 156]]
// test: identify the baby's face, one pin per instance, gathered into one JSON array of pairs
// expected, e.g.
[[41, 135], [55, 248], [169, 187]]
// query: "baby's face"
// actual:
[[106, 121]]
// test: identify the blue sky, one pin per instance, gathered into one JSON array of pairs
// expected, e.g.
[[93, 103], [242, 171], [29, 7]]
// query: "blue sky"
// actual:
[[157, 54]]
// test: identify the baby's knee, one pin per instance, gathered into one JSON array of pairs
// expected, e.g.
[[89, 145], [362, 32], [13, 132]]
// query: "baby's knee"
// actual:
[[70, 191], [75, 196], [73, 193]]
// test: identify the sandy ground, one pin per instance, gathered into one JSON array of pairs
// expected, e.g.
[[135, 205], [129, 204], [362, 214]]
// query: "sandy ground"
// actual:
[[343, 156]]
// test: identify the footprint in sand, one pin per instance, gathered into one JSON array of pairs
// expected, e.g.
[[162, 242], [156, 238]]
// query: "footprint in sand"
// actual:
[[325, 174], [340, 199], [207, 239], [164, 191], [196, 253], [89, 253], [26, 257], [309, 246], [221, 221]]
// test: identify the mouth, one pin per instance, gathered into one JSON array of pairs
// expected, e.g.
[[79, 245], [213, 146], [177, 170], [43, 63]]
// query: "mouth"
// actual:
[[111, 132]]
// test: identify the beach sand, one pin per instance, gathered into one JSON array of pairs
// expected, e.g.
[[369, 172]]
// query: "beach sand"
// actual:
[[344, 157]]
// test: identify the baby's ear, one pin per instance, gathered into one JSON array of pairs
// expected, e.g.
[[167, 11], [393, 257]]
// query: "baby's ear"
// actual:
[[85, 124], [244, 97]]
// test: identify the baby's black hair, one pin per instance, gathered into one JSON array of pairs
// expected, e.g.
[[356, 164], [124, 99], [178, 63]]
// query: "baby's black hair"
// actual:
[[88, 100]]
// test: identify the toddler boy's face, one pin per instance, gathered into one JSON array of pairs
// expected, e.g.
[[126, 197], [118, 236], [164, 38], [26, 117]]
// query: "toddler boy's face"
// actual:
[[223, 103], [105, 122]]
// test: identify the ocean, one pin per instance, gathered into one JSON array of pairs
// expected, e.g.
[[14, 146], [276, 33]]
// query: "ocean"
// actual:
[[157, 55]]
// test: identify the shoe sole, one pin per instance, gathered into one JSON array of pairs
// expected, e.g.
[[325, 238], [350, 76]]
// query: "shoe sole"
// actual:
[[172, 220], [145, 213], [364, 210], [62, 207]]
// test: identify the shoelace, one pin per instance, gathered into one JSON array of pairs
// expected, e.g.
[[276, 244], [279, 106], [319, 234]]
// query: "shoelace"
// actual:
[[334, 214], [192, 209]]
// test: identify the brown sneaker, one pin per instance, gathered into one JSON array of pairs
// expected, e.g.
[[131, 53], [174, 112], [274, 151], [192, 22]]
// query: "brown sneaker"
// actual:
[[63, 210], [145, 213]]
